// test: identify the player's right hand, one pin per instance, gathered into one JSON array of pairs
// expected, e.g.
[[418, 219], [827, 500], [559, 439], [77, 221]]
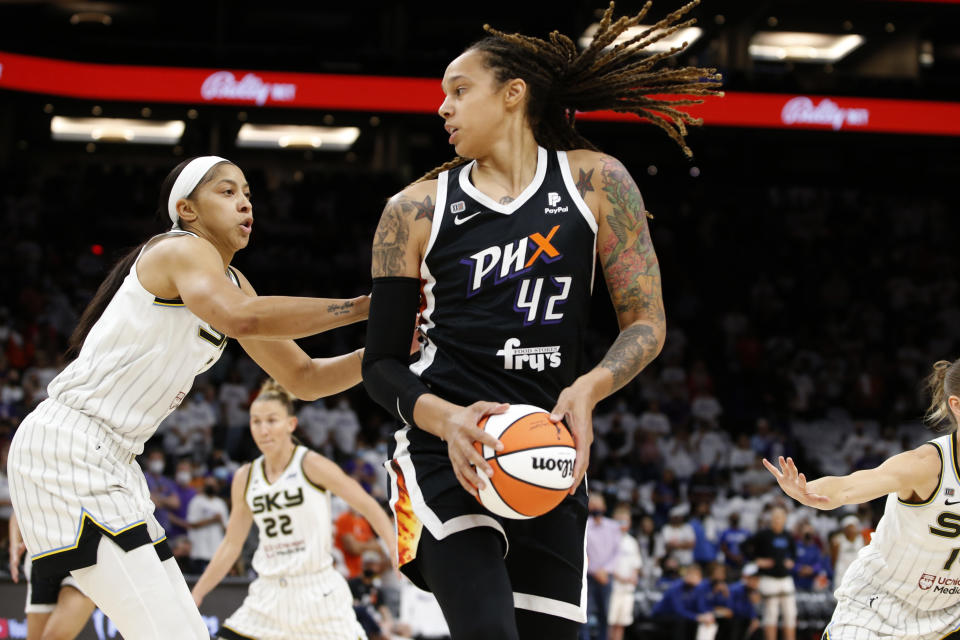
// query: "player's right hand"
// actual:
[[460, 432], [794, 483], [16, 552]]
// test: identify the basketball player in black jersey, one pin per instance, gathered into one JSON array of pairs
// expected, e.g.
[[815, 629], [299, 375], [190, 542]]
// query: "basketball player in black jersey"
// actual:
[[501, 251]]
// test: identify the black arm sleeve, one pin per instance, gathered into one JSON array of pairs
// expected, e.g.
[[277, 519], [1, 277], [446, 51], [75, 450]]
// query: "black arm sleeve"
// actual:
[[386, 374]]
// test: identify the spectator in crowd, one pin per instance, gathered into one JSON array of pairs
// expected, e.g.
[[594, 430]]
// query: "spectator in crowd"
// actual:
[[812, 566], [372, 613], [741, 456], [12, 396], [207, 517], [315, 422], [653, 420], [679, 537], [684, 607], [6, 505], [705, 530], [185, 493], [762, 440], [626, 575], [603, 543], [652, 550], [666, 495], [744, 598], [198, 419], [163, 490], [731, 542], [344, 426], [774, 554], [234, 399], [845, 545], [353, 537]]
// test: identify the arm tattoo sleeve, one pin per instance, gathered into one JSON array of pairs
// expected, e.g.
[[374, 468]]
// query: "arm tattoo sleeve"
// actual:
[[390, 239], [632, 274]]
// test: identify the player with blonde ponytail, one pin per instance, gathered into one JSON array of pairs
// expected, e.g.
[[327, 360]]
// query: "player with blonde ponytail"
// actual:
[[286, 491], [902, 585]]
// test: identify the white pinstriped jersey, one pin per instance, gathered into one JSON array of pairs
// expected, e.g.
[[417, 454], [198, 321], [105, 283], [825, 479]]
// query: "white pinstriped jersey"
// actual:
[[293, 516], [138, 362], [915, 552]]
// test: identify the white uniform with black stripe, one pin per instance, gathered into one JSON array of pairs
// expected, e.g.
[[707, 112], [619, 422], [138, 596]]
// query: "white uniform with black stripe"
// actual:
[[72, 459], [906, 582], [297, 594]]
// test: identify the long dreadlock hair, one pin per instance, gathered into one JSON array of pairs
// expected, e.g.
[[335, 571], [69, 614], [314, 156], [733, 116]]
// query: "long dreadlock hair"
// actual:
[[562, 80]]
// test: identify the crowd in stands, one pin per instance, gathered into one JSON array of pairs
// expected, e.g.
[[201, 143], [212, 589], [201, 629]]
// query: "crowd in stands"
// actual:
[[800, 321]]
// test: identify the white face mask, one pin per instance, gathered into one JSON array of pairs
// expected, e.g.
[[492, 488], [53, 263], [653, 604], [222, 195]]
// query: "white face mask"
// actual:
[[184, 477], [155, 466]]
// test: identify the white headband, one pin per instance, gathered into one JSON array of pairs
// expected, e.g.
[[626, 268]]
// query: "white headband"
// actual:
[[187, 181]]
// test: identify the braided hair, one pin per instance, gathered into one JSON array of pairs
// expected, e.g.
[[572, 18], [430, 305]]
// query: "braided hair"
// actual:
[[562, 80]]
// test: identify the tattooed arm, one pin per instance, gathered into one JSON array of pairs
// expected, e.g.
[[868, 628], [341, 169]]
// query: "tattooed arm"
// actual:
[[398, 248], [633, 278]]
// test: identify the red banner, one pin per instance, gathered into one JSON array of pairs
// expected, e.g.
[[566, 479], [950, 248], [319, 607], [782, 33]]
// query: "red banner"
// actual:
[[423, 95]]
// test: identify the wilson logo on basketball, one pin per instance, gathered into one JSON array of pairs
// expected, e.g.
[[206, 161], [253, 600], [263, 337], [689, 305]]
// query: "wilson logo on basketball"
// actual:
[[550, 464], [926, 581]]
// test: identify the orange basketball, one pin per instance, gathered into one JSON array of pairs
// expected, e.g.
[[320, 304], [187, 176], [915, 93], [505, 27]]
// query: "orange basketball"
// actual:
[[534, 471]]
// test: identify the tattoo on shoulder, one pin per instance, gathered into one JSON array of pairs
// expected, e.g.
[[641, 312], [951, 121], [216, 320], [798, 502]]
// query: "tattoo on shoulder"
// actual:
[[390, 238], [424, 209], [585, 182]]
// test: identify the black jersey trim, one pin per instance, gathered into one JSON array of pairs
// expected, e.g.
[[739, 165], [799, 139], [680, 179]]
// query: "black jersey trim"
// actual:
[[168, 302], [164, 552], [246, 485], [953, 455], [83, 552], [543, 160], [229, 634], [922, 503]]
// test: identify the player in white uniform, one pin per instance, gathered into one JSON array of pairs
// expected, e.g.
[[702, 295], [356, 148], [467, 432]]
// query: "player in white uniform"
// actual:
[[56, 609], [905, 584], [286, 491], [161, 317]]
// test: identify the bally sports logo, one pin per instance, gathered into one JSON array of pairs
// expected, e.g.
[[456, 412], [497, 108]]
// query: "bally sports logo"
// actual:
[[223, 85], [801, 110]]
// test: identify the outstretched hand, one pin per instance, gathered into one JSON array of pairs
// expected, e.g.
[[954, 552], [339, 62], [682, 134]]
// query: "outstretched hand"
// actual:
[[794, 483]]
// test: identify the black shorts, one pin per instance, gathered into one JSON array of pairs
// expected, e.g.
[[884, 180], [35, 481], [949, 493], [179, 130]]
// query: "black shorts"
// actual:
[[545, 556]]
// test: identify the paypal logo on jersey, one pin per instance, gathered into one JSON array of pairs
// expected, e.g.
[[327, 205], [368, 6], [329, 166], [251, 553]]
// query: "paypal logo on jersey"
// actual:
[[510, 260], [553, 200]]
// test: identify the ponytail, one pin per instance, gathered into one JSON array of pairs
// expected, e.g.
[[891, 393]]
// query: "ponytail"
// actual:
[[100, 300], [562, 80], [273, 390], [941, 383]]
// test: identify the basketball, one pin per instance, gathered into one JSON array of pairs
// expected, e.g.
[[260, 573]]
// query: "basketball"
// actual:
[[534, 471]]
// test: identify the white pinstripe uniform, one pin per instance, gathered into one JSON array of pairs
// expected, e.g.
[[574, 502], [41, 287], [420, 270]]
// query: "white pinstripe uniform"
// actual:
[[71, 462], [298, 595], [906, 583]]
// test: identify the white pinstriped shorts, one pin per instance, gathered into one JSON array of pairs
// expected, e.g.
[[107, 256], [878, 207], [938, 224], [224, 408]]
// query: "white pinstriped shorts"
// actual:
[[317, 606], [880, 616]]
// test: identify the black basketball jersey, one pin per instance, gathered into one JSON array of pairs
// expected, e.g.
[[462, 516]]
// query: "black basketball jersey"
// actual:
[[507, 288]]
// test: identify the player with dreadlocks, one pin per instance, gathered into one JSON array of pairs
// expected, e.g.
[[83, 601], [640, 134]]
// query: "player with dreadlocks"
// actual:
[[504, 240]]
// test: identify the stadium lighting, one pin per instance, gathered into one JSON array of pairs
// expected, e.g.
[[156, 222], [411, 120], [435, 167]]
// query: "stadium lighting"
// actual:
[[116, 130], [676, 39], [272, 136], [798, 46]]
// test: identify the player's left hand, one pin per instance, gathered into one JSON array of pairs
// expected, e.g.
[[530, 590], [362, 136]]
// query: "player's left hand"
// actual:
[[575, 407], [794, 483]]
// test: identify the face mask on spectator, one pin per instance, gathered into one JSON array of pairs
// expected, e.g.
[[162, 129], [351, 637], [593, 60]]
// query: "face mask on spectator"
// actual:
[[184, 477], [155, 466], [596, 513], [210, 490]]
